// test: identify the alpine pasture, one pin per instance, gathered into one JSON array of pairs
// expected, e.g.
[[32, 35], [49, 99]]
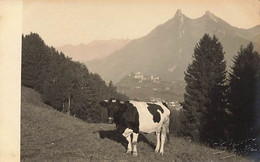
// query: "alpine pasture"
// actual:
[[49, 135]]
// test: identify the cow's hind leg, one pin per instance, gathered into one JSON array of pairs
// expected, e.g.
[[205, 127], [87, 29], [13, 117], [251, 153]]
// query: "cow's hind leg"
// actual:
[[158, 137], [163, 135], [164, 132], [135, 137]]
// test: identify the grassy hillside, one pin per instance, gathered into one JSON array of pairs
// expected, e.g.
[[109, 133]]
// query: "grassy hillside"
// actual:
[[49, 135]]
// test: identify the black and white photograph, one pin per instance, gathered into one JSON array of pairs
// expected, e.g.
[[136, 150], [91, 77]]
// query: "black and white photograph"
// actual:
[[130, 80]]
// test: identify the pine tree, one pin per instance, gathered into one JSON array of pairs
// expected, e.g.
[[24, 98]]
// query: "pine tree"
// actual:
[[82, 95], [204, 101], [35, 58], [243, 91]]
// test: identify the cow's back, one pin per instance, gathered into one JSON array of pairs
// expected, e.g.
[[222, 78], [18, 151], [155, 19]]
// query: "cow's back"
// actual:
[[149, 120]]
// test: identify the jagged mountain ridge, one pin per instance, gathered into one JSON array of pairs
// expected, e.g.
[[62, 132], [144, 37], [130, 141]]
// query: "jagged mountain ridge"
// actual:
[[167, 50]]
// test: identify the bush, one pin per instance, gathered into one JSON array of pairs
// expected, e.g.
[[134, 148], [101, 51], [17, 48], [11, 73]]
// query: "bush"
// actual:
[[175, 122]]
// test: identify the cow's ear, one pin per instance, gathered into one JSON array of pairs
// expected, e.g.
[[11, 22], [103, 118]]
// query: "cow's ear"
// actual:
[[122, 102]]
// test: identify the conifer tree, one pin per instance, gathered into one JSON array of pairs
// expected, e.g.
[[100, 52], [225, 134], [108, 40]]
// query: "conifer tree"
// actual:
[[243, 97], [34, 61], [204, 101]]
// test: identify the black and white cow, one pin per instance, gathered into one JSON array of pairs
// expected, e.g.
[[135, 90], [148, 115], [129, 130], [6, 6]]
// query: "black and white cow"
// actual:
[[132, 117]]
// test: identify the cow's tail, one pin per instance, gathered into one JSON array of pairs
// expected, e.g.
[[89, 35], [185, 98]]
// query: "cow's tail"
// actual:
[[167, 127], [167, 123]]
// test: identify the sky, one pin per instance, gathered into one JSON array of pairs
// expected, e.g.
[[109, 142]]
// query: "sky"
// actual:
[[61, 22]]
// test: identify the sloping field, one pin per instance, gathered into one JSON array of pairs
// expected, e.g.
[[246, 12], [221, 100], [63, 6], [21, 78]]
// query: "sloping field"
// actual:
[[53, 136]]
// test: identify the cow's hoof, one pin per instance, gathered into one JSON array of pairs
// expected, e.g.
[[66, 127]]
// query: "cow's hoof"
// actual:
[[135, 154], [128, 152], [161, 153], [156, 150]]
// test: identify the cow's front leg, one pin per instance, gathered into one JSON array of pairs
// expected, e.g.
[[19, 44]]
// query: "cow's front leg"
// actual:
[[158, 134], [134, 143], [127, 134], [129, 146]]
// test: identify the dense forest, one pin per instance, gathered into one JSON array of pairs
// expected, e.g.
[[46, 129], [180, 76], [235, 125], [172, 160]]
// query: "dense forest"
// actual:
[[64, 84], [222, 108]]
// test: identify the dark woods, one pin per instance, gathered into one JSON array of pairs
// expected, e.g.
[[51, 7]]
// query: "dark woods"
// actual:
[[64, 84], [222, 108], [244, 96]]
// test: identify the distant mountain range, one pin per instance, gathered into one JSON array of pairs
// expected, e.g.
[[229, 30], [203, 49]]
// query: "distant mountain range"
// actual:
[[97, 49], [167, 50]]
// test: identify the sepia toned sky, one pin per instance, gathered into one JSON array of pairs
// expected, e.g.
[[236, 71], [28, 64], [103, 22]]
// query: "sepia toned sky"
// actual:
[[61, 22]]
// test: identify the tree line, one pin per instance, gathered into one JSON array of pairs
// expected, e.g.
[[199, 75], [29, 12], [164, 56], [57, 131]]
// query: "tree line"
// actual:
[[64, 84], [219, 105]]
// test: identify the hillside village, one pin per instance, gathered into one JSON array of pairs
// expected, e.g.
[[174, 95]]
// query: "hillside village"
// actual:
[[151, 88], [144, 78]]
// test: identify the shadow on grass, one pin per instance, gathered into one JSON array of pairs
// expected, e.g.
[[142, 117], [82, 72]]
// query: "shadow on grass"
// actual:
[[119, 138]]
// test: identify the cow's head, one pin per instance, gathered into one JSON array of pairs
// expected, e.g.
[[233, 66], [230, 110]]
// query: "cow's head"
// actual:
[[112, 106]]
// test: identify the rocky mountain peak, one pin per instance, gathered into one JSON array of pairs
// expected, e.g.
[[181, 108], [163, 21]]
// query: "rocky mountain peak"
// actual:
[[179, 17], [211, 16], [178, 13]]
